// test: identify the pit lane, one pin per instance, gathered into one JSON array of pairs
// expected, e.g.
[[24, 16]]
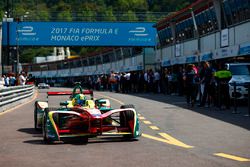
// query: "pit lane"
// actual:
[[21, 145]]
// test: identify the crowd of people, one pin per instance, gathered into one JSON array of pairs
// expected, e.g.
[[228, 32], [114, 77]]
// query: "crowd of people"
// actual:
[[205, 84], [13, 80]]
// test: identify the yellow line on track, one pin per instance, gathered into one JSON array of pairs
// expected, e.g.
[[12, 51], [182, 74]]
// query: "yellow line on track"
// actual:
[[154, 127], [147, 122], [171, 140], [20, 105], [174, 141], [142, 118], [232, 157]]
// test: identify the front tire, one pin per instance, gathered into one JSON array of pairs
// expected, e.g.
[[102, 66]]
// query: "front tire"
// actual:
[[45, 128], [35, 116], [125, 117]]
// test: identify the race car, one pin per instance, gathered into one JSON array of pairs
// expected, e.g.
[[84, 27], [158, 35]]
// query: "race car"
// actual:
[[90, 119], [43, 86]]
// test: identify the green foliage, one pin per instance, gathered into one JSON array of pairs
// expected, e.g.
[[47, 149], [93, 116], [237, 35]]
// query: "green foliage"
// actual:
[[129, 16], [27, 54], [108, 15]]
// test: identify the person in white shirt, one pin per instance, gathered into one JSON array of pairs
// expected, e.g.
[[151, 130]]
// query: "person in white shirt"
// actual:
[[2, 82], [22, 79], [156, 82]]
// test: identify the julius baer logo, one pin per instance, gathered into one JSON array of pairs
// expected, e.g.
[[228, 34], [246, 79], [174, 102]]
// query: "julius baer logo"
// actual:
[[139, 34], [27, 33]]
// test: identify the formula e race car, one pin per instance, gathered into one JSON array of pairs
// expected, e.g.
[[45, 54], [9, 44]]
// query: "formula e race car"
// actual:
[[82, 118]]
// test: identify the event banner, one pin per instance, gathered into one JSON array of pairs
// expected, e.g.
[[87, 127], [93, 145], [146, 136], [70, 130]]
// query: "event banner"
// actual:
[[79, 34]]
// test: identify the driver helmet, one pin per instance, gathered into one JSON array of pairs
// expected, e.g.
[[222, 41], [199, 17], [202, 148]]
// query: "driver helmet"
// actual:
[[79, 99]]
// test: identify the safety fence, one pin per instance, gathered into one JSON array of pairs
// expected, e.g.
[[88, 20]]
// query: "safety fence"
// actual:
[[11, 95]]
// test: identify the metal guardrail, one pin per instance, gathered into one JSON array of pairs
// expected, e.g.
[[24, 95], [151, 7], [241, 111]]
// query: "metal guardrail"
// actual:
[[12, 94]]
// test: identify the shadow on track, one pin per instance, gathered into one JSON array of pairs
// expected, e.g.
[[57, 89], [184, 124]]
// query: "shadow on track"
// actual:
[[214, 112], [79, 142], [32, 131]]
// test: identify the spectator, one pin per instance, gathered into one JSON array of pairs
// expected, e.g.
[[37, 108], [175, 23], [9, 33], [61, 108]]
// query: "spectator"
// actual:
[[22, 79], [141, 82], [2, 82], [206, 80], [146, 80], [127, 83], [165, 81], [151, 80], [156, 82], [223, 76], [189, 83], [12, 81], [6, 80], [180, 81]]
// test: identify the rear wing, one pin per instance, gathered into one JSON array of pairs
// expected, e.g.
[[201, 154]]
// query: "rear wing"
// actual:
[[61, 93]]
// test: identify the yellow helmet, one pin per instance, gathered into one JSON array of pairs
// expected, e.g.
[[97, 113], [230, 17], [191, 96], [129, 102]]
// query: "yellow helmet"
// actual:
[[79, 99]]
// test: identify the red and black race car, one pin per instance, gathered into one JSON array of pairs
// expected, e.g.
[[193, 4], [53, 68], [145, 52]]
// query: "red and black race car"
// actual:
[[90, 119]]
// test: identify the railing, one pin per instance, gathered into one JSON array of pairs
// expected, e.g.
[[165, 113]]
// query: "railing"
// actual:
[[9, 95], [235, 85]]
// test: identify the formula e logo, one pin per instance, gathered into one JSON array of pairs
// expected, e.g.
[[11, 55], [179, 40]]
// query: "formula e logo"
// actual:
[[139, 31], [27, 31]]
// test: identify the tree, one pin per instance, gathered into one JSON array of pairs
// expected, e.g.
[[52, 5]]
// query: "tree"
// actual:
[[88, 15], [150, 17], [121, 5], [63, 11], [27, 54], [108, 15], [129, 16], [41, 14], [139, 5], [64, 16]]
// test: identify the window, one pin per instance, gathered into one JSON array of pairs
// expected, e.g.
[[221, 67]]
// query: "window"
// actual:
[[85, 62], [59, 65], [75, 63], [126, 53], [36, 67], [106, 58], [98, 60], [92, 61], [52, 66], [236, 10], [136, 51], [78, 63], [240, 69], [118, 54], [43, 67], [65, 65]]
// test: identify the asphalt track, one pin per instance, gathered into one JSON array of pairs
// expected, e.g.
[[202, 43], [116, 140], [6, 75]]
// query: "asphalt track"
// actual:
[[173, 135]]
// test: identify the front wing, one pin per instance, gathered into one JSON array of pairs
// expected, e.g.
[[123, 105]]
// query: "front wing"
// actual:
[[63, 124]]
